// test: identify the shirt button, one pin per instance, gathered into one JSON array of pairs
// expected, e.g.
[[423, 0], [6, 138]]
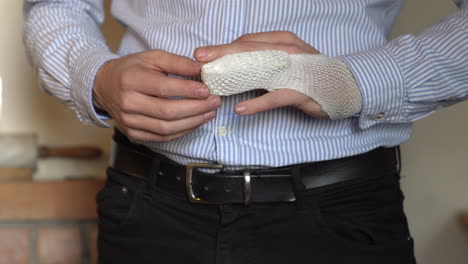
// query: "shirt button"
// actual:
[[222, 131], [380, 116]]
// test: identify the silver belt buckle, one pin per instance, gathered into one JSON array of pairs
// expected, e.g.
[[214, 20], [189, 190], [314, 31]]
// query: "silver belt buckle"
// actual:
[[189, 178]]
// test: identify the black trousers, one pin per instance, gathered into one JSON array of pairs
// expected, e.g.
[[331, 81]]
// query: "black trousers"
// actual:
[[359, 221]]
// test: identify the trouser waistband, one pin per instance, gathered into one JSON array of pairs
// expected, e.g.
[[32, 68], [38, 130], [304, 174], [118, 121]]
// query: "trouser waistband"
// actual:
[[248, 185]]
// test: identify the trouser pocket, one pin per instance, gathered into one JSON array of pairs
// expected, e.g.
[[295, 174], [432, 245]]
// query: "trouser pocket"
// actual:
[[363, 216], [118, 199]]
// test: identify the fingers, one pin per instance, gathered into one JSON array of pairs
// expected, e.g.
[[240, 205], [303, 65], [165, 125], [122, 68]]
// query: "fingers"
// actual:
[[160, 85], [276, 37], [210, 53], [134, 91], [166, 109], [141, 127], [148, 136], [268, 101], [280, 37], [173, 64], [145, 117], [274, 40], [314, 109], [280, 98]]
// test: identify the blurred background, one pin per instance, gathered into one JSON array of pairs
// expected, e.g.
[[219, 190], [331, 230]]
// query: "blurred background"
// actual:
[[47, 213]]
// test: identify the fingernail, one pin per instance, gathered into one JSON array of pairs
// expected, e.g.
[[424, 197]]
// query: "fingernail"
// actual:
[[202, 92], [210, 115], [240, 109], [215, 102], [202, 53]]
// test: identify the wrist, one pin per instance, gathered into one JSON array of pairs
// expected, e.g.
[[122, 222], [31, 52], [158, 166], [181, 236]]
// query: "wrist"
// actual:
[[328, 81], [100, 83]]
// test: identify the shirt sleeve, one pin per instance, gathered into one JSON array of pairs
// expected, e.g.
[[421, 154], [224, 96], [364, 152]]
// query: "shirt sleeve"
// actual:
[[413, 75], [65, 45]]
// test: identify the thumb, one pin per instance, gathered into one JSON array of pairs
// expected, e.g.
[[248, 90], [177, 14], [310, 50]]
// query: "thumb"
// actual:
[[271, 100]]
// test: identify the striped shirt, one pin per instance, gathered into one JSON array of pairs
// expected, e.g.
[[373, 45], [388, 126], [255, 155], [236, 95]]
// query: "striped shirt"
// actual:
[[401, 80]]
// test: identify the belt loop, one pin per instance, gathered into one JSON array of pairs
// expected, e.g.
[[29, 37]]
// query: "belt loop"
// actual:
[[398, 161], [298, 186], [247, 188]]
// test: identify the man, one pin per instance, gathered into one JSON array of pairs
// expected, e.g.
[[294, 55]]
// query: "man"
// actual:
[[305, 173]]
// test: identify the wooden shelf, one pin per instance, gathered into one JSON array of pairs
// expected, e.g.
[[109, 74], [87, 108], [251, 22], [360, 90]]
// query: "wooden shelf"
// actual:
[[29, 200]]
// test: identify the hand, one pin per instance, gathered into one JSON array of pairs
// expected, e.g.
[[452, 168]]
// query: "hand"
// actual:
[[275, 40], [134, 90]]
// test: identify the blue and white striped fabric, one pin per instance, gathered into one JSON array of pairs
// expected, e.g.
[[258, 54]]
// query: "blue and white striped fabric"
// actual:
[[401, 80]]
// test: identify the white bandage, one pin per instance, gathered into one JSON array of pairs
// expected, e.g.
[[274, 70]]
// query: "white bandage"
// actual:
[[326, 80]]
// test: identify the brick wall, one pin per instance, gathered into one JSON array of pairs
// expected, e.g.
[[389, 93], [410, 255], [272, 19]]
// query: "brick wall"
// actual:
[[48, 222]]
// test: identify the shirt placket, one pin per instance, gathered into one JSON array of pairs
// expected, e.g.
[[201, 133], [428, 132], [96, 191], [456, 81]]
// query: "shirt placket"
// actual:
[[233, 24]]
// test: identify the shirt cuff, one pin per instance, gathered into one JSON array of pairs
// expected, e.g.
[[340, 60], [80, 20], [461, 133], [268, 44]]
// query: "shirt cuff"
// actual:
[[83, 76], [382, 86]]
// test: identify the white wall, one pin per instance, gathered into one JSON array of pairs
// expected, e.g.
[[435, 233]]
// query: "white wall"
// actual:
[[435, 162], [435, 159]]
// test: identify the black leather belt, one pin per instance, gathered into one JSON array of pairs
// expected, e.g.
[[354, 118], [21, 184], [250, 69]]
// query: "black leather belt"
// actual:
[[246, 186]]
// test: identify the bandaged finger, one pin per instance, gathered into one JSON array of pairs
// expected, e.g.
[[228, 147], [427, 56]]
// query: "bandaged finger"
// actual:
[[327, 81]]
